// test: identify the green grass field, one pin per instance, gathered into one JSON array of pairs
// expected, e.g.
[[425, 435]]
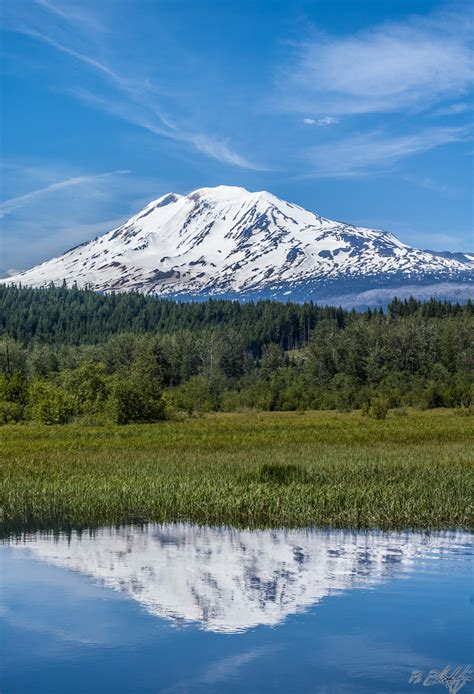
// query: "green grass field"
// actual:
[[255, 469]]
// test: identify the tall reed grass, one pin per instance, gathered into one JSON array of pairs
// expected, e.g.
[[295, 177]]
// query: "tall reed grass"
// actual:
[[254, 469]]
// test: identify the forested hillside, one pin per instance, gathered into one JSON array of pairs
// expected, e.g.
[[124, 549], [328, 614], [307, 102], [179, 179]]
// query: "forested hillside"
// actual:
[[73, 316], [69, 353]]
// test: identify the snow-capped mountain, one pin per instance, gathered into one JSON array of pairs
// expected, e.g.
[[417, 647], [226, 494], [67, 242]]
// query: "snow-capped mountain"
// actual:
[[229, 580], [227, 241]]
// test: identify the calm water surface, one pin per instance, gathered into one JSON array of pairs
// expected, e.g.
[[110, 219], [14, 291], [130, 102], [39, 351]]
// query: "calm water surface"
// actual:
[[180, 608]]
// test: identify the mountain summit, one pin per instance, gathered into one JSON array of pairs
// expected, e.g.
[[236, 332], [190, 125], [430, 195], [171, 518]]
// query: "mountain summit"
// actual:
[[227, 241]]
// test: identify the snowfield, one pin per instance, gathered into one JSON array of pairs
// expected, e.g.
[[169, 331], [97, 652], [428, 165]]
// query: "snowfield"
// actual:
[[228, 241]]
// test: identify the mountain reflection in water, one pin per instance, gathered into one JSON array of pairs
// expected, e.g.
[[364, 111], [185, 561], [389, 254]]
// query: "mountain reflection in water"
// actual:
[[229, 580]]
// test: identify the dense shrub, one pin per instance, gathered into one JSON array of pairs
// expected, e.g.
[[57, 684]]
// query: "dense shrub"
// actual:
[[135, 399], [378, 408], [14, 388], [10, 412], [88, 387], [50, 404]]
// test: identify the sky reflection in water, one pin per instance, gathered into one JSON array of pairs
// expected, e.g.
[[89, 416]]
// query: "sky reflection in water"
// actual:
[[185, 608]]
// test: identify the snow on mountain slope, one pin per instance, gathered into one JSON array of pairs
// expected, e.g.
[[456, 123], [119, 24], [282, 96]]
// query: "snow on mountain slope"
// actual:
[[228, 241]]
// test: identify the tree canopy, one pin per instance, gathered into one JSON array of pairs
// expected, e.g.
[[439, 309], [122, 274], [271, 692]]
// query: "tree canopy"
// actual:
[[68, 352]]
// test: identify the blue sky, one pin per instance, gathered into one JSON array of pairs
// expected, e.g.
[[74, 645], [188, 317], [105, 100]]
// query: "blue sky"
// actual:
[[358, 110]]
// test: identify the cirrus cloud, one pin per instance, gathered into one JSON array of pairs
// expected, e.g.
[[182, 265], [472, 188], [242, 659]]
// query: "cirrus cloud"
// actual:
[[360, 154], [384, 68], [9, 206], [327, 120]]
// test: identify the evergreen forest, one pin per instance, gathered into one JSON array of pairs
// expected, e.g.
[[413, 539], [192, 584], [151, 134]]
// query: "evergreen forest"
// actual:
[[71, 354]]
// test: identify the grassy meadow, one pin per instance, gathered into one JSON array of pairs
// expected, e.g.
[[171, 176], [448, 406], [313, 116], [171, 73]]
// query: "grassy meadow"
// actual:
[[249, 469]]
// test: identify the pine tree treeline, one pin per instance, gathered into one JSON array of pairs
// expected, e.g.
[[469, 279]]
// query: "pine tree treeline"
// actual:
[[60, 315], [72, 316], [68, 353]]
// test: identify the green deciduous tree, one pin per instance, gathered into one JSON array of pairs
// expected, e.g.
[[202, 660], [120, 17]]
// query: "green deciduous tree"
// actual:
[[50, 404]]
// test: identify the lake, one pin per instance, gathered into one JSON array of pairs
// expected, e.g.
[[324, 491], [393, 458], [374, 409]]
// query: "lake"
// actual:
[[182, 608]]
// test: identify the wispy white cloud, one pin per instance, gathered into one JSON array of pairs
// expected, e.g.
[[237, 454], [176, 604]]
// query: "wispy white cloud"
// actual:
[[62, 234], [327, 120], [70, 12], [91, 62], [452, 109], [133, 112], [428, 183], [219, 150], [221, 670], [420, 235], [376, 150], [9, 206], [385, 68], [61, 208], [143, 117], [135, 101]]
